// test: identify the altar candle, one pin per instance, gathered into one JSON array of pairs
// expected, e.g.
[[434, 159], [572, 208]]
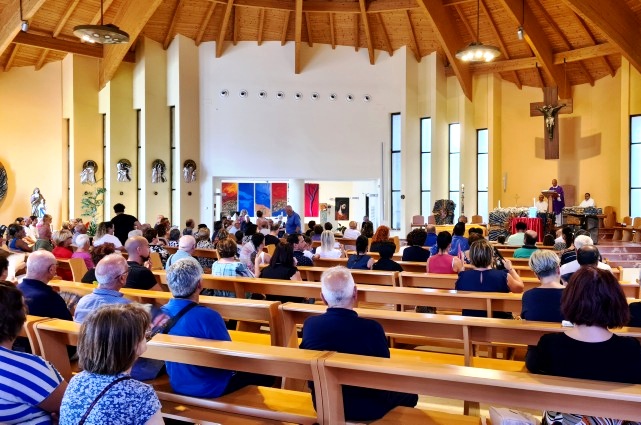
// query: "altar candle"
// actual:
[[534, 202], [462, 186], [499, 203]]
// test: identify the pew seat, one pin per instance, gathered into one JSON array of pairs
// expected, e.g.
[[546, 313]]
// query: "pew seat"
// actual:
[[407, 415]]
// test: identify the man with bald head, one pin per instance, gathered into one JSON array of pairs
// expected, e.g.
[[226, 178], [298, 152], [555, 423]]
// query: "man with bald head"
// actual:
[[140, 277], [111, 274], [589, 253], [340, 329], [40, 298], [529, 245], [186, 246]]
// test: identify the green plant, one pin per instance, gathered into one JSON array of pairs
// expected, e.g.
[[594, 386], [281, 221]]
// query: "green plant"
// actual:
[[90, 203]]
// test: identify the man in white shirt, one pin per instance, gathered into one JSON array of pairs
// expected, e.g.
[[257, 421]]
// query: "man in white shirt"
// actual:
[[541, 205], [587, 202], [588, 253]]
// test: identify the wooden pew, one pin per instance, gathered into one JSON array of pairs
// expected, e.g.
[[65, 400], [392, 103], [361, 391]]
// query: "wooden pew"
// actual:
[[408, 266], [244, 310], [272, 404], [198, 252], [28, 331], [368, 277], [513, 389], [468, 330], [445, 281]]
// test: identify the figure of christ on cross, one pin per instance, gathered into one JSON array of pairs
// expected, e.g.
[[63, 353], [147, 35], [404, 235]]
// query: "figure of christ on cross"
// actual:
[[549, 109]]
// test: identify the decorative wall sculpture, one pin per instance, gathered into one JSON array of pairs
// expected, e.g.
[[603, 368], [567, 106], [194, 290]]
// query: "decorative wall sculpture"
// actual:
[[189, 171], [229, 198], [246, 198], [124, 170], [4, 182], [263, 198], [88, 173], [158, 169]]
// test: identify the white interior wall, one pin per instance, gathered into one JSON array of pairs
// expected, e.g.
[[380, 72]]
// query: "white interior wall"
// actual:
[[288, 138]]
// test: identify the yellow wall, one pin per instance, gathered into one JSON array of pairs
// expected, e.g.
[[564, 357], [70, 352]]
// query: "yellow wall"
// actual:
[[31, 140], [589, 145]]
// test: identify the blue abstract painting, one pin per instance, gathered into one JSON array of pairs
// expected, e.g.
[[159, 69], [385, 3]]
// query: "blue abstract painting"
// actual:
[[246, 198], [264, 198]]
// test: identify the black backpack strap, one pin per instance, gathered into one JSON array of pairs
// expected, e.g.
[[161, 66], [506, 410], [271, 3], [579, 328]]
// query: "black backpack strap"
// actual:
[[102, 393], [172, 322]]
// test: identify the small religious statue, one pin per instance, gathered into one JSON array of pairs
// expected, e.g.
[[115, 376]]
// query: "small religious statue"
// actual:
[[88, 174], [189, 171], [124, 167], [158, 169], [36, 199], [550, 112]]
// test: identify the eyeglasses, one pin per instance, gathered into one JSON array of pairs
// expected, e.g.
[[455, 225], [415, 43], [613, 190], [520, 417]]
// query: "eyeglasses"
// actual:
[[125, 273]]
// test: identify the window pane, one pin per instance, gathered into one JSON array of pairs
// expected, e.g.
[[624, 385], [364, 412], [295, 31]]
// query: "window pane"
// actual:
[[454, 171], [396, 210], [455, 138], [426, 171], [482, 171], [635, 166], [635, 130], [426, 204], [426, 135], [396, 171], [482, 141], [635, 203], [454, 196], [396, 132], [482, 207]]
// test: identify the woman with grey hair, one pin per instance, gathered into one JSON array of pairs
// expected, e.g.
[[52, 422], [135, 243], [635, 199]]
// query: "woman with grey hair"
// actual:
[[543, 303]]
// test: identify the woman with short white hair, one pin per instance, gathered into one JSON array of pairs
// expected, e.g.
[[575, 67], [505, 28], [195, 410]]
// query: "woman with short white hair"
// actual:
[[82, 251]]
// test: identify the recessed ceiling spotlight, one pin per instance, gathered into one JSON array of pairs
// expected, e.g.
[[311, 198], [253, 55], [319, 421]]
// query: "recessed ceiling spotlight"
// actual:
[[315, 96], [262, 94], [243, 93], [224, 93], [367, 98], [298, 96], [332, 97], [280, 95]]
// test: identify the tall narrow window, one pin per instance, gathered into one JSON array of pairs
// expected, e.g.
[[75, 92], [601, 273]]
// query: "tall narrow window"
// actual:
[[455, 166], [635, 166], [482, 173], [396, 172], [426, 166]]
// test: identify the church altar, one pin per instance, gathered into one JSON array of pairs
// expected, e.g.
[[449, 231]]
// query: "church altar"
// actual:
[[500, 218]]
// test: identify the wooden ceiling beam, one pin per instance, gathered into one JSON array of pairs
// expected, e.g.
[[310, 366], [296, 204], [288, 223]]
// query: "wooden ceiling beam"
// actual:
[[132, 18], [11, 58], [310, 42], [298, 29], [97, 17], [412, 34], [566, 41], [10, 19], [41, 59], [63, 21], [450, 39], [261, 26], [60, 45], [540, 76], [381, 23], [321, 6], [539, 43], [235, 27], [502, 46], [617, 22], [332, 36], [368, 35], [172, 26], [587, 31], [223, 28], [205, 23], [283, 34]]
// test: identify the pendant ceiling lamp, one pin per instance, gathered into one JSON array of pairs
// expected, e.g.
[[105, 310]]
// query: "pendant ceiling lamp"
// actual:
[[477, 51], [101, 34]]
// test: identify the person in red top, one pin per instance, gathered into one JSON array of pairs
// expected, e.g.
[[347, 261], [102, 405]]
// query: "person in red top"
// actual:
[[442, 262], [62, 240]]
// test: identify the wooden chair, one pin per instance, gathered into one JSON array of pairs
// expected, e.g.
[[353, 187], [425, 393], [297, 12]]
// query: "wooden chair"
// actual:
[[78, 268], [154, 258], [610, 217], [636, 225], [270, 249], [397, 242], [477, 219], [628, 231]]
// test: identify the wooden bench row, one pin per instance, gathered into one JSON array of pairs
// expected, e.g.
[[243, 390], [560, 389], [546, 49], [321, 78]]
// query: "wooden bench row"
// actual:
[[329, 371]]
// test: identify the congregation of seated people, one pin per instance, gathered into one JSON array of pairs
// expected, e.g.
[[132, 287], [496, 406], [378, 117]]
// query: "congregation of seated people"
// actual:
[[574, 283]]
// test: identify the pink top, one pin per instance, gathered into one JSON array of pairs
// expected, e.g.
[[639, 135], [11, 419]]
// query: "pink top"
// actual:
[[85, 256], [441, 264]]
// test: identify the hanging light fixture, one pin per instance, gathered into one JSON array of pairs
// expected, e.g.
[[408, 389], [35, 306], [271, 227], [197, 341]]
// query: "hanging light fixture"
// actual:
[[24, 26], [477, 51], [101, 34], [520, 32]]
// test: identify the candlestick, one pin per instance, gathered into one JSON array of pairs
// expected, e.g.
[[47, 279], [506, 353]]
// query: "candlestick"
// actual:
[[499, 203]]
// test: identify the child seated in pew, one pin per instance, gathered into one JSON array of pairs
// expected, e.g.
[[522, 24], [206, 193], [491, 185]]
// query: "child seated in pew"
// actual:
[[386, 251]]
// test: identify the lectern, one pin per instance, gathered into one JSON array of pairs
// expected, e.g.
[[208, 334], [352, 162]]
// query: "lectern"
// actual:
[[549, 223]]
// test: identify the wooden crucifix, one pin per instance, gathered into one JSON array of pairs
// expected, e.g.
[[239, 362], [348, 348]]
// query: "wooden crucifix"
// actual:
[[550, 108]]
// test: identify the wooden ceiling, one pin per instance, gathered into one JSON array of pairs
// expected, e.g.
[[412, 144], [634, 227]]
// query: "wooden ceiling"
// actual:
[[567, 42]]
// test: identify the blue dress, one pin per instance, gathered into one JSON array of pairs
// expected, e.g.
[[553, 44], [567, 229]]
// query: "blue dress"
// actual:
[[356, 261], [483, 281]]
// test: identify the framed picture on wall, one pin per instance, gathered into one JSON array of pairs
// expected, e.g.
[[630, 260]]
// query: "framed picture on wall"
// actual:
[[342, 209]]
